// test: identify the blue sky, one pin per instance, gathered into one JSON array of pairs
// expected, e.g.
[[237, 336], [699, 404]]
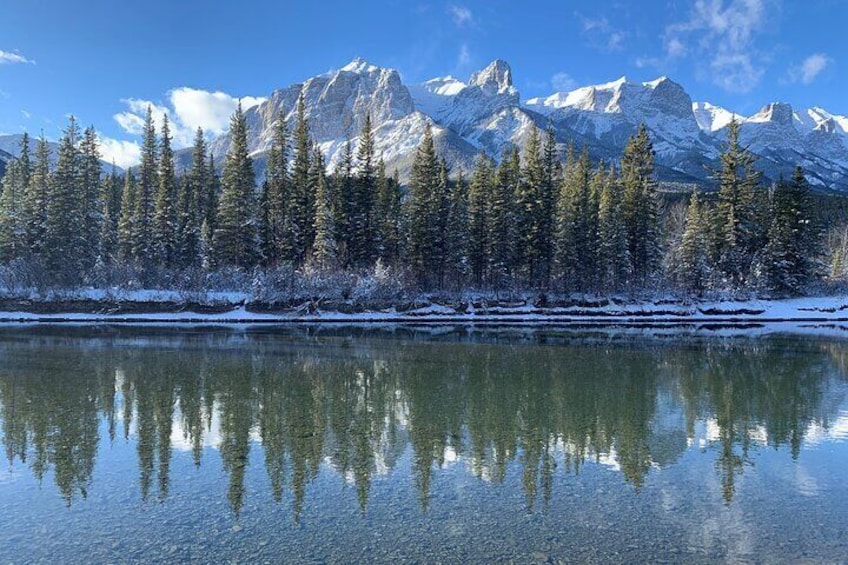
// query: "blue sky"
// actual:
[[103, 60]]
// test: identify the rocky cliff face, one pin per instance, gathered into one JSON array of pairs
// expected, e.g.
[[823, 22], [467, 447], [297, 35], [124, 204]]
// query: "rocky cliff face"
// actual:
[[486, 114]]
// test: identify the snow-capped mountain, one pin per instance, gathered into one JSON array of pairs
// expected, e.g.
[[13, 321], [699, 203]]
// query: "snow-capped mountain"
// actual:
[[336, 104], [486, 114], [607, 114]]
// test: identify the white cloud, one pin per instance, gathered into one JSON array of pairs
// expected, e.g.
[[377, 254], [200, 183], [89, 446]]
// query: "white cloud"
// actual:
[[26, 114], [187, 109], [810, 68], [123, 153], [461, 15], [13, 58], [562, 82], [601, 34], [723, 34]]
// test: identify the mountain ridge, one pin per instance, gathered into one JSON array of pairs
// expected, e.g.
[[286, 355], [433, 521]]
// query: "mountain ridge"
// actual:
[[487, 114]]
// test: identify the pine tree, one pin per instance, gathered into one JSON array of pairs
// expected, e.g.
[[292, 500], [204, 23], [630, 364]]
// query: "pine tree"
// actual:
[[278, 244], [361, 246], [439, 210], [423, 183], [209, 196], [693, 268], [126, 223], [613, 258], [388, 215], [302, 200], [551, 171], [577, 223], [479, 193], [110, 198], [741, 204], [90, 205], [641, 206], [343, 202], [324, 251], [533, 202], [12, 213], [165, 218], [63, 239], [142, 239], [190, 203], [791, 255], [236, 237], [35, 199], [501, 216], [456, 235]]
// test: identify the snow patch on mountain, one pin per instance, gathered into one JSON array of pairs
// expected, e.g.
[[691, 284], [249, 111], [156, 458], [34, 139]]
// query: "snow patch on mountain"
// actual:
[[712, 118]]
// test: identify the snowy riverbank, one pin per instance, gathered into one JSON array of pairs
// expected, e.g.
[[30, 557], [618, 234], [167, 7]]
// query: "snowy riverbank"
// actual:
[[165, 307]]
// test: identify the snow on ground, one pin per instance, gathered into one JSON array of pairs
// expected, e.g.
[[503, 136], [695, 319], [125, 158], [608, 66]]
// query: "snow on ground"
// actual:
[[832, 309]]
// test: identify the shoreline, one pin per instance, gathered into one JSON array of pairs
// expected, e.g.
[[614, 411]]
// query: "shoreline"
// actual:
[[598, 312]]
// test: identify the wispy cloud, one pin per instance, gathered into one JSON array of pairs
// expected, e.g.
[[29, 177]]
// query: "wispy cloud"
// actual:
[[562, 82], [809, 69], [601, 34], [464, 60], [14, 58], [187, 109], [721, 37], [461, 15], [26, 114]]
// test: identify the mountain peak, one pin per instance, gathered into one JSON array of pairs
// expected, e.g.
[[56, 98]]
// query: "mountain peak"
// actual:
[[658, 81], [777, 112], [360, 66], [497, 76]]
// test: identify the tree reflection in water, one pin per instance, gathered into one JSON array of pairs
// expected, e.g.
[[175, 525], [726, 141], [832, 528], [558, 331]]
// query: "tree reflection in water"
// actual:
[[356, 404]]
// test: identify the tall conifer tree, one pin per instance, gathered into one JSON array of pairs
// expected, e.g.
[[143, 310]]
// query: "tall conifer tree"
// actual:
[[236, 237]]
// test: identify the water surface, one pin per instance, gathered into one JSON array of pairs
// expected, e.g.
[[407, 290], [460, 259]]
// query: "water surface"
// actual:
[[311, 445]]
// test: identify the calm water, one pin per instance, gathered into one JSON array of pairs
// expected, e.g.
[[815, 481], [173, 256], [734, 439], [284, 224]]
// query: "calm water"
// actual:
[[329, 446]]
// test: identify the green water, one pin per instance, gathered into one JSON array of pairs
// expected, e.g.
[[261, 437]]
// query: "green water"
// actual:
[[310, 445]]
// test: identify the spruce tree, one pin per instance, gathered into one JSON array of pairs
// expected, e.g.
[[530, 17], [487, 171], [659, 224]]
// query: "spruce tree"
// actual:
[[791, 255], [165, 218], [528, 203], [35, 199], [142, 239], [63, 238], [423, 183], [741, 227], [502, 219], [302, 199], [362, 209], [90, 205], [126, 223], [324, 251], [236, 237], [439, 210], [110, 198], [613, 258], [641, 213], [456, 235], [479, 193], [277, 241], [12, 209], [693, 268], [388, 215], [344, 183]]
